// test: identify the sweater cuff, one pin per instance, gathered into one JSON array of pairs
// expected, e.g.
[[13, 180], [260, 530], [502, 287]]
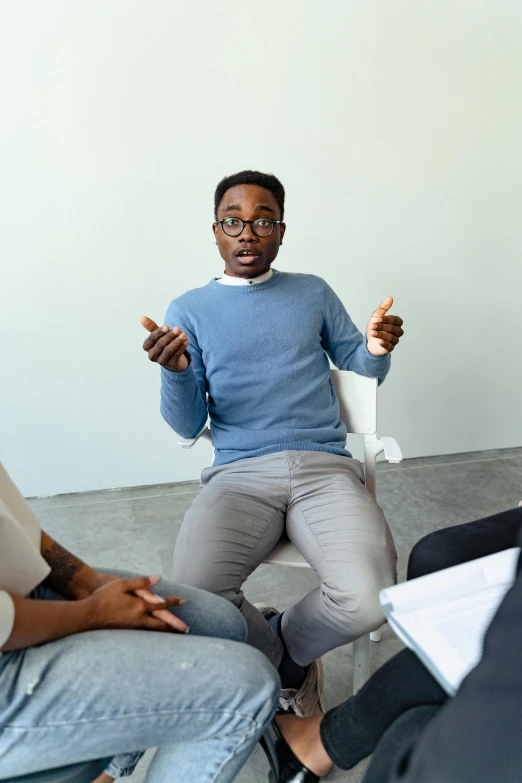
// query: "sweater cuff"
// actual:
[[379, 359], [174, 378], [7, 616]]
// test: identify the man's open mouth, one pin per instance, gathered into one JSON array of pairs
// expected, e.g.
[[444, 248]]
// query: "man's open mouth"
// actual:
[[247, 255]]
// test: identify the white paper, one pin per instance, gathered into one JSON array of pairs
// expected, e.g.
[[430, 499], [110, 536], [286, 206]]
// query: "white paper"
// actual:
[[444, 616]]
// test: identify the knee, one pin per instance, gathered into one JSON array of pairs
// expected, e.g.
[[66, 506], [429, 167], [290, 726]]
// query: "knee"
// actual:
[[258, 681], [232, 622], [189, 571], [367, 616], [428, 555], [223, 619], [357, 612], [191, 574]]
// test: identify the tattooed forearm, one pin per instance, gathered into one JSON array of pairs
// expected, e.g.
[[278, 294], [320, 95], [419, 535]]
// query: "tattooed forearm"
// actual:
[[66, 569]]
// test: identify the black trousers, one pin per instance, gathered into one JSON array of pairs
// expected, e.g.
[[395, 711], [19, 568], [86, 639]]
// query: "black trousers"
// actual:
[[404, 717]]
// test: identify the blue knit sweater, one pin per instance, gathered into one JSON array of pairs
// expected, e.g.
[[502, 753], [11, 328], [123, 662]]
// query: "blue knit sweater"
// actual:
[[259, 367]]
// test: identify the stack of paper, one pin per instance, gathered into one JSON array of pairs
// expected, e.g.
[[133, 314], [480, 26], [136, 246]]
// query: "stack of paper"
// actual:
[[443, 617]]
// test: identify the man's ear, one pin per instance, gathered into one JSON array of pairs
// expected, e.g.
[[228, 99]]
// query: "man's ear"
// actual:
[[283, 229]]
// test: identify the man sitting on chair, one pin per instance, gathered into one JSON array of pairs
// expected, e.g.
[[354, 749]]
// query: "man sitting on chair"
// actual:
[[250, 350]]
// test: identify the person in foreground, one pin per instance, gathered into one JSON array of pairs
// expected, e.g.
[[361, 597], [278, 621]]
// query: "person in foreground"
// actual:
[[415, 731], [96, 666], [250, 350]]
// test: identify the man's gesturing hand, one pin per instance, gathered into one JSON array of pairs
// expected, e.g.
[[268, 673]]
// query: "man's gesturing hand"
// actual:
[[165, 346], [383, 331]]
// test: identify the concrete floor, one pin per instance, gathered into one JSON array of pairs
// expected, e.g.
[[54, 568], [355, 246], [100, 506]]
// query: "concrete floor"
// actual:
[[136, 528]]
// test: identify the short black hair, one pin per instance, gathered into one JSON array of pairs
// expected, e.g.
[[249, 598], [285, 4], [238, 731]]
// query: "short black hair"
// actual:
[[268, 181]]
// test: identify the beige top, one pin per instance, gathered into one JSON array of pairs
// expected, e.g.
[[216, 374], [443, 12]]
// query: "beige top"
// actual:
[[22, 567]]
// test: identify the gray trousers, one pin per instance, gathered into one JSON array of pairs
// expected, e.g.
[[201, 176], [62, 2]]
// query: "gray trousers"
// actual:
[[321, 502]]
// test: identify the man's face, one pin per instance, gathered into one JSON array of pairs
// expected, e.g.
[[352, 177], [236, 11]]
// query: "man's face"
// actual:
[[248, 255]]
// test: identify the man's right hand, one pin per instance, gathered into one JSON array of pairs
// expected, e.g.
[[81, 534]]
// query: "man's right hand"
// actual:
[[165, 346], [115, 605]]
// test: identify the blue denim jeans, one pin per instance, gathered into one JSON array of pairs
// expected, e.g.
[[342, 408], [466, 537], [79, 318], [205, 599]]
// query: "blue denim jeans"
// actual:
[[202, 698]]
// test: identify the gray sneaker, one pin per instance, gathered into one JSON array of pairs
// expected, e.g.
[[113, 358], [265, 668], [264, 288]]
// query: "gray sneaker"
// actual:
[[308, 700]]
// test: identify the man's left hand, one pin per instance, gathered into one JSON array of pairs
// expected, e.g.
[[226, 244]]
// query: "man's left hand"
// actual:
[[383, 331]]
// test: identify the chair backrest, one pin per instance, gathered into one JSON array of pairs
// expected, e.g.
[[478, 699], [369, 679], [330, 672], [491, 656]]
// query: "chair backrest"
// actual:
[[357, 397]]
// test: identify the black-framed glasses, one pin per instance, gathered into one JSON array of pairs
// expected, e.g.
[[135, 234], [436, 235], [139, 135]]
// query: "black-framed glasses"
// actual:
[[234, 226]]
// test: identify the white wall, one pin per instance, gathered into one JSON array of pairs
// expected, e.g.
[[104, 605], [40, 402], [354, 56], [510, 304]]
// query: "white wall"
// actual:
[[395, 127]]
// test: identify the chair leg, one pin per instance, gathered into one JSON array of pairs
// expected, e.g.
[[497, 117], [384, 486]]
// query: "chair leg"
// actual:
[[361, 661], [375, 636]]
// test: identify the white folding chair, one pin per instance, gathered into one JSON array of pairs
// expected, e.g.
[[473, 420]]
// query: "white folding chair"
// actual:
[[357, 397]]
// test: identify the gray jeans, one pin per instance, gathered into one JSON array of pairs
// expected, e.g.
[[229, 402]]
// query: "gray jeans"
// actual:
[[321, 502]]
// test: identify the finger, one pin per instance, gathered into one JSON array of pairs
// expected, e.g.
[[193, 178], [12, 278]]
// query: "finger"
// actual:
[[174, 600], [380, 327], [379, 336], [169, 345], [392, 319], [171, 620], [384, 306], [386, 319], [165, 334], [153, 338], [385, 337], [384, 324], [148, 323], [150, 623], [173, 351], [149, 597], [396, 330], [153, 598], [137, 583], [157, 344]]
